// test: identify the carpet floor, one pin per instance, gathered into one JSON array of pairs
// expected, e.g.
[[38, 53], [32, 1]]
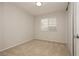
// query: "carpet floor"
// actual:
[[37, 48]]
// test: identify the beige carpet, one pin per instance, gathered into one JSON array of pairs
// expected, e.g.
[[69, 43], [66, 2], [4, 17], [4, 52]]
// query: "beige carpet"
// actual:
[[37, 48]]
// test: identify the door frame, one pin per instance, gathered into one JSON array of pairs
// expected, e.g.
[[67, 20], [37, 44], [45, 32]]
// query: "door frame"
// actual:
[[75, 27]]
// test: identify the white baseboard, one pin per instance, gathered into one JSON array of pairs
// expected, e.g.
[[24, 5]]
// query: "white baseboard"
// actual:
[[25, 42], [15, 45], [53, 41]]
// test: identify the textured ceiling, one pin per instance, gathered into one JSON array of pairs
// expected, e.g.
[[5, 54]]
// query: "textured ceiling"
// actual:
[[47, 7]]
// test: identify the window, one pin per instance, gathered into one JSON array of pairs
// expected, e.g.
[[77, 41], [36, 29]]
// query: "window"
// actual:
[[48, 24], [44, 24]]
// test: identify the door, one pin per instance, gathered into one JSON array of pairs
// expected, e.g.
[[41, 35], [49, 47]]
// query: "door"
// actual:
[[76, 29]]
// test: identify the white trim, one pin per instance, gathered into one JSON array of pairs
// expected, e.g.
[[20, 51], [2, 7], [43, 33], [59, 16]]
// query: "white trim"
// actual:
[[52, 41], [15, 45]]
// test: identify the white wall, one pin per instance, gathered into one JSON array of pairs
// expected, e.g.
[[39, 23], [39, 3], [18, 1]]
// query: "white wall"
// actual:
[[59, 35], [17, 26], [1, 18]]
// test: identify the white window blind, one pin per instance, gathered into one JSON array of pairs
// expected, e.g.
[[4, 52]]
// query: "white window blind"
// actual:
[[48, 24]]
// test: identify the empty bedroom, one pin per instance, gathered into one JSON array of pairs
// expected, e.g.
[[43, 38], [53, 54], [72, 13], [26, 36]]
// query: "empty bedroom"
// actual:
[[36, 29]]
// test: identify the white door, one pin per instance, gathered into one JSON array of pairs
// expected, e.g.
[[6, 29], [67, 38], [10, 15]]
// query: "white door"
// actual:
[[76, 29]]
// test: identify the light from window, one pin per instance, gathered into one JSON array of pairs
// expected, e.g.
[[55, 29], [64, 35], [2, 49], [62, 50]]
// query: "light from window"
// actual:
[[44, 24], [48, 24]]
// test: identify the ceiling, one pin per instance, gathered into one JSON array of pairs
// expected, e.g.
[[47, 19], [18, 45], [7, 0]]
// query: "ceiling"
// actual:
[[47, 7]]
